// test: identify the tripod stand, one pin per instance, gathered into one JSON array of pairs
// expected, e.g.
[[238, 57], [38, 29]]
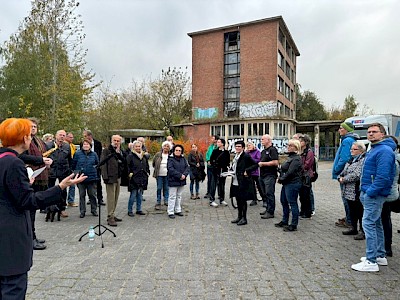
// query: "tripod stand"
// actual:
[[101, 228]]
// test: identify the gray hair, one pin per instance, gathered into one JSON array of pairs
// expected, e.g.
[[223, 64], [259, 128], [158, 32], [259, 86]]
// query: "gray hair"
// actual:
[[360, 145], [166, 143], [134, 143]]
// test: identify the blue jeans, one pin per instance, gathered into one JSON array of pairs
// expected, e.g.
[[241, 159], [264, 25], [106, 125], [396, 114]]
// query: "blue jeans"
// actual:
[[268, 188], [346, 207], [196, 183], [372, 225], [162, 184], [136, 196], [312, 199], [289, 195], [71, 194]]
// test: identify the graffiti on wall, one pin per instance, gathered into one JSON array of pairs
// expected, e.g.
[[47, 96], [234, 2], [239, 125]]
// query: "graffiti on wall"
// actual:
[[205, 113], [255, 110], [280, 144]]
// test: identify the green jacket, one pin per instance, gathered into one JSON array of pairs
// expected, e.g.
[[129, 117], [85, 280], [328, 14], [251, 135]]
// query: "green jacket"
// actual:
[[209, 151]]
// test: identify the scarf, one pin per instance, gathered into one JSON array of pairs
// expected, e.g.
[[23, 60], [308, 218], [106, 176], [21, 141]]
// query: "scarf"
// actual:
[[37, 148], [140, 155]]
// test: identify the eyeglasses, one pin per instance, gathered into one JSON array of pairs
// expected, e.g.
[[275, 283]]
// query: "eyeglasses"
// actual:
[[372, 132], [354, 149]]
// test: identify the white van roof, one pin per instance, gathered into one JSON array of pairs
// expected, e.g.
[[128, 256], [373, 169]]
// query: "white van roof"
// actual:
[[361, 120]]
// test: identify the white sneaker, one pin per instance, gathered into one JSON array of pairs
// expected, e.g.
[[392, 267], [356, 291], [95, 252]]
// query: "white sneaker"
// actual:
[[382, 261], [214, 204], [224, 203], [366, 266], [313, 213]]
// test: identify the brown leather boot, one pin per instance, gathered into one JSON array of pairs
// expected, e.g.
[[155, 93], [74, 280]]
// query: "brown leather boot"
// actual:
[[111, 222]]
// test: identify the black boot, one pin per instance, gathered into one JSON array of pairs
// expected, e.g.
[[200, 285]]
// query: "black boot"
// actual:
[[240, 215], [254, 202], [388, 249], [243, 221], [351, 231]]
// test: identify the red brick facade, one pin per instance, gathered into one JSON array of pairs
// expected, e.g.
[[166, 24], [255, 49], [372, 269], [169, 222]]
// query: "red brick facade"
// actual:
[[266, 79]]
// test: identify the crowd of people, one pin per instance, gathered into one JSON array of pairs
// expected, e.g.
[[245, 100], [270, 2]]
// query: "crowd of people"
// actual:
[[368, 182]]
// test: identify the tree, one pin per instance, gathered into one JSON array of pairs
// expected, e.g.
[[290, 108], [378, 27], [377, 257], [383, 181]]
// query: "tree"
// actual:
[[149, 104], [309, 107], [169, 101], [44, 74], [350, 107]]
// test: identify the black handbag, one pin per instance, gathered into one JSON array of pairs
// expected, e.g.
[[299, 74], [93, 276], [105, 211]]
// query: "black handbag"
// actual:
[[306, 180], [395, 206]]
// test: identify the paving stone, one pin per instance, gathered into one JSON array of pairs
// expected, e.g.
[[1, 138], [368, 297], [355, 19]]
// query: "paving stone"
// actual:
[[203, 256]]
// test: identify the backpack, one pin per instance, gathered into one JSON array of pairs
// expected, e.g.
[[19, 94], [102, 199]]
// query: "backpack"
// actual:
[[315, 169]]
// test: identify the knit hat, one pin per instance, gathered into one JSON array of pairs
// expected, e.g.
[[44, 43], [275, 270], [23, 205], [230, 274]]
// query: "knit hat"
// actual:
[[348, 126]]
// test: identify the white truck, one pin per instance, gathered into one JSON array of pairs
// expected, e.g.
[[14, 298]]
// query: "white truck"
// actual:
[[389, 121]]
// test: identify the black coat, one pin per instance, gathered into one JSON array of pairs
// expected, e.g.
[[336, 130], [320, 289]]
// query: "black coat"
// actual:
[[62, 159], [197, 172], [245, 190], [98, 148], [140, 170], [112, 165], [291, 170], [220, 161], [17, 198]]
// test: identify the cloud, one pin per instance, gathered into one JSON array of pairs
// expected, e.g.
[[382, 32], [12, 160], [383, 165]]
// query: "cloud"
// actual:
[[347, 47]]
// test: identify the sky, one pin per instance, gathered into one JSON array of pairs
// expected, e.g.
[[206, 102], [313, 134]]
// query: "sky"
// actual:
[[346, 47]]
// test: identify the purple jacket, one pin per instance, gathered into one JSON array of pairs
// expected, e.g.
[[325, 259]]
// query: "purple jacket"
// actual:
[[256, 156]]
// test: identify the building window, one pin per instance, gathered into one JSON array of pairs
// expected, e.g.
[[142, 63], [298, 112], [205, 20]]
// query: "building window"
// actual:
[[281, 37], [257, 129], [231, 108], [236, 130], [218, 130], [280, 84], [232, 41], [287, 91], [280, 108], [232, 74], [288, 70], [287, 111], [288, 50], [280, 130], [233, 93], [232, 69], [281, 60]]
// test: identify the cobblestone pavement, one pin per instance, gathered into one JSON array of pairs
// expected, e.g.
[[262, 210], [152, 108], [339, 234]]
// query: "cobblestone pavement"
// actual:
[[203, 256]]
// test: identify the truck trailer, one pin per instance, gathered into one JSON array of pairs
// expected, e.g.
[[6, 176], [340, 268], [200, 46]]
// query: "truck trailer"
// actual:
[[389, 121]]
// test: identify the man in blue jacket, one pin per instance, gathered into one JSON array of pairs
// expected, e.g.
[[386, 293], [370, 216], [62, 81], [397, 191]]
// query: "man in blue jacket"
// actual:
[[347, 137], [376, 183]]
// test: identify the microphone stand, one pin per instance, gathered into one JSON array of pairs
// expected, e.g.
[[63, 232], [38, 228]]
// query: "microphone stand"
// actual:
[[101, 230], [101, 227]]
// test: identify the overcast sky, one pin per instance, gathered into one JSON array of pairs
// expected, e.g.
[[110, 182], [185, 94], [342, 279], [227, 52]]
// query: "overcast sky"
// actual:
[[346, 47]]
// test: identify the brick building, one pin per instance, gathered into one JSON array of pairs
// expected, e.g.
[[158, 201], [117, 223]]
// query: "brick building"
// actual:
[[244, 78]]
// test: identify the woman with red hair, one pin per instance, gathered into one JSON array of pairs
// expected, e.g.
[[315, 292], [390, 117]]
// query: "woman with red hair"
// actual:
[[17, 198]]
